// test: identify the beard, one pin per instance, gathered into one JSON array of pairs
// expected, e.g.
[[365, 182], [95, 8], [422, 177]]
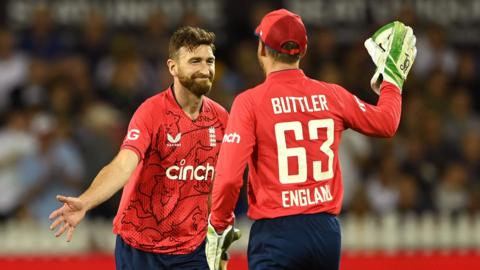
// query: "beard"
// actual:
[[195, 85]]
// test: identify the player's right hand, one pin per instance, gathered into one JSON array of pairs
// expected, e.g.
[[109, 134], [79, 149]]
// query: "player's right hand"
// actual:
[[67, 217], [393, 51]]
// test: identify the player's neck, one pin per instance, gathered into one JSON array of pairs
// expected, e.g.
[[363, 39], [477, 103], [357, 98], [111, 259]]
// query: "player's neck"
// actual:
[[189, 102], [278, 66]]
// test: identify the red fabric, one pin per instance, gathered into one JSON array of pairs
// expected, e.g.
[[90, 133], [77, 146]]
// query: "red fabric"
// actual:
[[164, 206], [281, 26], [288, 131]]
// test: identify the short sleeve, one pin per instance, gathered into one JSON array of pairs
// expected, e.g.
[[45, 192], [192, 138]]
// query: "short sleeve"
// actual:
[[140, 130]]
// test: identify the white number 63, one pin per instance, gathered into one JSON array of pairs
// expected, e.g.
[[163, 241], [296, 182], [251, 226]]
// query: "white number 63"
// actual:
[[301, 153]]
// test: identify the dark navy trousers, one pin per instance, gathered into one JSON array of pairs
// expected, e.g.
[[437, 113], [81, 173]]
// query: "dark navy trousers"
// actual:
[[130, 258], [295, 242]]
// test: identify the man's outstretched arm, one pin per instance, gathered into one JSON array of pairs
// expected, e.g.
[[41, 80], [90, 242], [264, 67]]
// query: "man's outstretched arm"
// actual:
[[107, 182]]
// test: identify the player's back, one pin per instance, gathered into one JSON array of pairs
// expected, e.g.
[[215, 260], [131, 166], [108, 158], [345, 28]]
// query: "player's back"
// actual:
[[295, 167]]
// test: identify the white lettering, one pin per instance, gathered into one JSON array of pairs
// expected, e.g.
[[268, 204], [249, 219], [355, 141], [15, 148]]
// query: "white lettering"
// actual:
[[171, 172], [285, 199], [323, 102], [326, 193], [133, 134], [302, 105], [190, 172], [307, 105], [292, 100], [276, 106], [313, 103], [285, 105], [304, 197], [231, 138], [318, 196]]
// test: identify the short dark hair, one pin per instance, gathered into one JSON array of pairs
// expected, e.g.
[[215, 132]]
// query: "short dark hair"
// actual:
[[283, 57], [189, 37]]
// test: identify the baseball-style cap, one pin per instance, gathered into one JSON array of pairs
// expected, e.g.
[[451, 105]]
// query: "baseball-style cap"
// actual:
[[281, 26]]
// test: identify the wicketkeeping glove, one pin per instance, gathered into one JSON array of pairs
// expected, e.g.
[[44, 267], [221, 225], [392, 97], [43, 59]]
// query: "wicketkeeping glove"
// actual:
[[217, 245], [393, 51]]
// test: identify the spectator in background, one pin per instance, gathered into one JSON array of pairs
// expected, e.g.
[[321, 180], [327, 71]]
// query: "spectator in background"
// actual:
[[323, 49], [329, 72], [459, 119], [98, 134], [32, 92], [16, 144], [123, 76], [424, 171], [435, 53], [470, 155], [452, 192], [74, 70], [436, 91], [42, 39], [93, 40], [13, 68], [155, 35], [62, 101], [467, 77], [360, 205], [353, 76], [382, 188], [244, 74], [55, 168], [353, 152], [436, 147], [408, 195]]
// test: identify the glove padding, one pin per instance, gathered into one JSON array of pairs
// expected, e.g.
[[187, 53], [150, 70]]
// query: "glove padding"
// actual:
[[217, 245], [392, 49]]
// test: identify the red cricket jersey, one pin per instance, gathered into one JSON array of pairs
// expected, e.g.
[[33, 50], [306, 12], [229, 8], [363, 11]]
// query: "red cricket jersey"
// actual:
[[288, 131], [164, 205]]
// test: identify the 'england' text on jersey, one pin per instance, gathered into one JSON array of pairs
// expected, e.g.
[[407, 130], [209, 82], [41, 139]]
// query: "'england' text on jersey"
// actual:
[[304, 197], [313, 103]]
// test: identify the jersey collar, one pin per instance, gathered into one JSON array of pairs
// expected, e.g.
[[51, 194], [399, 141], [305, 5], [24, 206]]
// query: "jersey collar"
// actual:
[[174, 103], [285, 74]]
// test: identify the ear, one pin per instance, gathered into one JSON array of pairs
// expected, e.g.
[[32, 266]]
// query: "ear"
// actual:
[[172, 67], [262, 51], [305, 52]]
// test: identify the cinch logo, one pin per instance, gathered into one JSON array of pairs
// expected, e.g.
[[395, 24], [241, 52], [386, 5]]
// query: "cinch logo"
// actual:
[[189, 172], [174, 141], [231, 138]]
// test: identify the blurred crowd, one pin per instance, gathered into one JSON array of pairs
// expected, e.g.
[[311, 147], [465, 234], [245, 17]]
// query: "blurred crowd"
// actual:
[[66, 96]]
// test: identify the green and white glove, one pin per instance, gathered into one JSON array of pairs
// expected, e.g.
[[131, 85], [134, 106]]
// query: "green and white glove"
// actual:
[[392, 49], [217, 245]]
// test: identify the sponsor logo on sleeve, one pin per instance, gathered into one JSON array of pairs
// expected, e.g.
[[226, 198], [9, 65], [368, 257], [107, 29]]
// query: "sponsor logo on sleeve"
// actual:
[[231, 138], [361, 105], [133, 134], [174, 141]]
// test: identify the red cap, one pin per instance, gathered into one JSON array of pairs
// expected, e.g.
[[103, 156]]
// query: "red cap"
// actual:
[[281, 26]]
